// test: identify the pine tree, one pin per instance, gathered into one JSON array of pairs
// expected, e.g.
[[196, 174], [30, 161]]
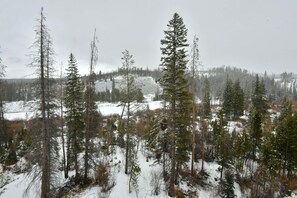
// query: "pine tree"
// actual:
[[242, 150], [206, 99], [228, 185], [286, 137], [259, 98], [175, 92], [74, 114], [224, 147], [228, 98], [255, 131], [269, 156], [134, 167], [238, 99]]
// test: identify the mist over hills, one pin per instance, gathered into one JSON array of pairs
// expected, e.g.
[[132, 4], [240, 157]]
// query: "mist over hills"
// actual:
[[277, 85]]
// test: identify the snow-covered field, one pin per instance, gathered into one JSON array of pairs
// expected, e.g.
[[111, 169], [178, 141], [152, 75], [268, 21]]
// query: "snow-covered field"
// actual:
[[14, 185], [22, 110]]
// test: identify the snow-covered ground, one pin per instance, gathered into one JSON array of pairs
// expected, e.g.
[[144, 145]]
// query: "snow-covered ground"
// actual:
[[14, 185], [22, 110]]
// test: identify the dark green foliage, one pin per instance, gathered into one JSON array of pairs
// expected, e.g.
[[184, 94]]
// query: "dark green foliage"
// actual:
[[238, 100], [233, 99], [242, 150], [286, 138], [269, 156], [228, 185], [255, 131], [259, 99], [175, 91], [224, 146], [139, 95], [134, 167], [74, 114], [228, 98], [206, 99]]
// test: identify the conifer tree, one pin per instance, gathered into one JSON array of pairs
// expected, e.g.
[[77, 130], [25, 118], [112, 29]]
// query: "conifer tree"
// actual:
[[255, 131], [224, 150], [242, 150], [228, 98], [269, 156], [286, 137], [259, 98], [175, 91], [228, 185], [74, 114], [206, 99], [238, 99]]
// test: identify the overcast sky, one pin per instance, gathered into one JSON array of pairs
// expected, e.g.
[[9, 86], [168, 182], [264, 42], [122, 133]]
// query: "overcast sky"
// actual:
[[257, 35]]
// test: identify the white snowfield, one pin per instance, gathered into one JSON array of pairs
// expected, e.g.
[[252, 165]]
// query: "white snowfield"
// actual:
[[22, 110], [25, 110]]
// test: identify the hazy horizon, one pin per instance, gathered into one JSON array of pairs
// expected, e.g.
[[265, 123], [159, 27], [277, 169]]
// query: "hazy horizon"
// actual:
[[254, 35]]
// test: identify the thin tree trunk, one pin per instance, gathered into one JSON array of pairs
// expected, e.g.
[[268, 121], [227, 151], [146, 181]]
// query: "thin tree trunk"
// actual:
[[194, 72], [67, 157], [204, 129], [173, 160], [75, 151], [62, 127], [89, 112], [128, 123], [45, 179], [193, 129]]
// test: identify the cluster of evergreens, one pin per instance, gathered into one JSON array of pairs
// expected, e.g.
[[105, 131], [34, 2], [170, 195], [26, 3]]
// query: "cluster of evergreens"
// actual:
[[262, 157], [117, 95]]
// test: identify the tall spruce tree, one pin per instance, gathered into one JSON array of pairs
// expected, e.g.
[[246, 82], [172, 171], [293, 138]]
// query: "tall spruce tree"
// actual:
[[259, 100], [238, 99], [255, 131], [286, 137], [175, 91], [74, 114], [228, 185], [206, 111], [228, 98]]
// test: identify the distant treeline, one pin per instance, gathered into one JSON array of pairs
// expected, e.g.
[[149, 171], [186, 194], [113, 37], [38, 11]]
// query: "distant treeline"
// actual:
[[25, 89]]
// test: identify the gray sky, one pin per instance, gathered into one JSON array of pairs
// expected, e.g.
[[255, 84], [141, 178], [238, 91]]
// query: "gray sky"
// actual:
[[258, 35]]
